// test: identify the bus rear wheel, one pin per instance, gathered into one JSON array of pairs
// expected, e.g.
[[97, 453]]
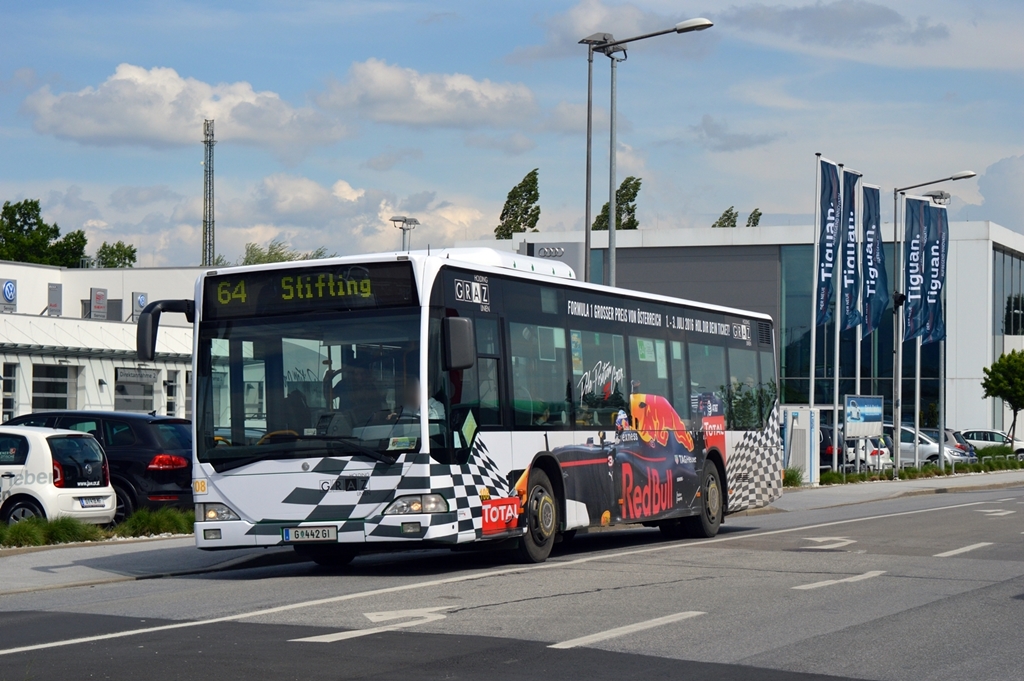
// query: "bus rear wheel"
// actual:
[[706, 523], [541, 515]]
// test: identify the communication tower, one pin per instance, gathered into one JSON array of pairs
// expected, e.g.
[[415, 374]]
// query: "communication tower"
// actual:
[[208, 246]]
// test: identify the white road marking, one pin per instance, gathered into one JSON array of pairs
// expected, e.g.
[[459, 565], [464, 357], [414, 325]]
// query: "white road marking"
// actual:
[[994, 512], [419, 615], [628, 629], [830, 582], [470, 578], [965, 549], [1007, 499], [839, 542]]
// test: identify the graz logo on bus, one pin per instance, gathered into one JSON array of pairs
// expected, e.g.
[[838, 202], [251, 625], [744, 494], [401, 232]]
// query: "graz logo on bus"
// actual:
[[478, 292], [346, 484], [500, 515], [644, 499], [741, 332]]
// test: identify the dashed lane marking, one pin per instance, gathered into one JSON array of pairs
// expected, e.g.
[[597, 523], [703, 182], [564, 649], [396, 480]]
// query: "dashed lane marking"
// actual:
[[965, 549], [628, 629], [830, 582]]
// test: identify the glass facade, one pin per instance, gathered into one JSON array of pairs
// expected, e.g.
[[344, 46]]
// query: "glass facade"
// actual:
[[1007, 308], [876, 365]]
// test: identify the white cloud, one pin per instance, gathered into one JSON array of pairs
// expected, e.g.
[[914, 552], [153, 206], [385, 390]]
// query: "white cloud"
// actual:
[[571, 118], [159, 108], [1002, 190], [387, 93], [715, 135], [129, 197]]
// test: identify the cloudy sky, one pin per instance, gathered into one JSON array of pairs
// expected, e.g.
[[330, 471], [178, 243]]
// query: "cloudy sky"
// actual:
[[333, 116]]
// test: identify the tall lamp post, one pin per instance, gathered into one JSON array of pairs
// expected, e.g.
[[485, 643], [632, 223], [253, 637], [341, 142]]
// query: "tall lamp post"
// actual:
[[897, 302], [406, 225], [607, 45]]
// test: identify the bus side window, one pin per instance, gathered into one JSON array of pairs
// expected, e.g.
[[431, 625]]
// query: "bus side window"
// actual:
[[680, 380], [769, 390], [540, 377], [598, 377], [648, 366], [707, 375], [743, 401]]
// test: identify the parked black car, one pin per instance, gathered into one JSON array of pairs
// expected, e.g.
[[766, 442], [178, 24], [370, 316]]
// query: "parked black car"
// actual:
[[150, 456]]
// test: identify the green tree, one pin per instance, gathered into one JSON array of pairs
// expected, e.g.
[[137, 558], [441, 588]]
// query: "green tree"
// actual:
[[24, 237], [117, 255], [1005, 380], [277, 251], [521, 211], [754, 219], [727, 219], [625, 207]]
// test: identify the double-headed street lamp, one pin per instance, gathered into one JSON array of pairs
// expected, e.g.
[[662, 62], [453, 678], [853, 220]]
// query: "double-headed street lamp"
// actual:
[[897, 302], [606, 44], [406, 225]]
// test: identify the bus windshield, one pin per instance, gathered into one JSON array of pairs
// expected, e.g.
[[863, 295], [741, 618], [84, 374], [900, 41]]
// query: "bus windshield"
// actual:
[[337, 384]]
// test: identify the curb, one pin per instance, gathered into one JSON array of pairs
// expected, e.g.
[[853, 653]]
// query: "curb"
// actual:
[[18, 550], [232, 564], [907, 493]]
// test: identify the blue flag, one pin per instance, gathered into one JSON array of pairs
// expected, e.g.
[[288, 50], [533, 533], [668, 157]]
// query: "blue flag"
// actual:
[[851, 276], [876, 282], [915, 240], [936, 251], [828, 241]]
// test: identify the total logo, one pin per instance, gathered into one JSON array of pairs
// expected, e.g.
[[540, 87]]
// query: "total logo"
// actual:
[[10, 291], [500, 515]]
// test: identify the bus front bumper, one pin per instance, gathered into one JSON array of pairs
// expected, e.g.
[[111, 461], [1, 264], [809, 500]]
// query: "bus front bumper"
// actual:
[[440, 528]]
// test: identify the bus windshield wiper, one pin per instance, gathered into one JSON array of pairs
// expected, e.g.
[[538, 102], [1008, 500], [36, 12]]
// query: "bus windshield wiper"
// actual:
[[351, 443]]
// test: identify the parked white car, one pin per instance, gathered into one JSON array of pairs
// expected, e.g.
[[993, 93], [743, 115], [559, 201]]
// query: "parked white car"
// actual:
[[47, 473], [927, 449], [994, 438]]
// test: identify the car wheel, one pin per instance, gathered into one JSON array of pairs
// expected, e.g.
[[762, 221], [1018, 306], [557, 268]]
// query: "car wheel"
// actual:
[[125, 503], [1020, 454], [541, 519], [22, 509], [706, 523]]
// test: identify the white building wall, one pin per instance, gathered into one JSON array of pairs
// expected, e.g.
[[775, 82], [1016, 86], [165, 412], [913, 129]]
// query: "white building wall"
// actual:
[[968, 326]]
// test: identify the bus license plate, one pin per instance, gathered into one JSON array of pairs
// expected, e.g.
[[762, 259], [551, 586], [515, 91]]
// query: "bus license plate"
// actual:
[[92, 502], [298, 534]]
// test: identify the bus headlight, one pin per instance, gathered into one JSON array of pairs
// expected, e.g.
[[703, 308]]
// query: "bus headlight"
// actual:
[[214, 512], [419, 503]]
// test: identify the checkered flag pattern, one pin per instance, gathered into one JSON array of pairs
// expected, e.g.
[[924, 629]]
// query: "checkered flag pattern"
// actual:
[[754, 469], [462, 483]]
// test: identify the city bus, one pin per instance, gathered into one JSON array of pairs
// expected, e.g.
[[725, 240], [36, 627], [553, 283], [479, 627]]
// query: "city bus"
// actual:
[[466, 396]]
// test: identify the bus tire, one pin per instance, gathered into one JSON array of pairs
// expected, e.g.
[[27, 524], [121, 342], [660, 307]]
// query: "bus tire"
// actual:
[[326, 556], [541, 517], [705, 524]]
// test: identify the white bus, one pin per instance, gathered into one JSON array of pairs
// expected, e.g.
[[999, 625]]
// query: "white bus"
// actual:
[[410, 399]]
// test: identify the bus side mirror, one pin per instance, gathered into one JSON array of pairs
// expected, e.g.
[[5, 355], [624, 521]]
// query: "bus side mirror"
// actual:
[[459, 342], [149, 322]]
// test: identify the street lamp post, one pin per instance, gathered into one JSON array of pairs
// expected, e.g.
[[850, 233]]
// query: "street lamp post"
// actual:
[[590, 42], [406, 225], [607, 45], [897, 302]]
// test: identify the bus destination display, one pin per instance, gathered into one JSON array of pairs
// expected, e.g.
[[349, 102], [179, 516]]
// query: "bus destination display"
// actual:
[[308, 289]]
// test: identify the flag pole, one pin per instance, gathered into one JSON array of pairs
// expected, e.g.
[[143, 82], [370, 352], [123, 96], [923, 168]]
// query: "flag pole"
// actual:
[[837, 320], [858, 208], [814, 276]]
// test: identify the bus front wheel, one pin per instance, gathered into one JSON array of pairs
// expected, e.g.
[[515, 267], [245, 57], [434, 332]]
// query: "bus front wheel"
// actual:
[[541, 516], [706, 523]]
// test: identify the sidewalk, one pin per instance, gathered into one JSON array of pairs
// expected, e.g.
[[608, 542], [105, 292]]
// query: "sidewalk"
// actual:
[[807, 498], [106, 562]]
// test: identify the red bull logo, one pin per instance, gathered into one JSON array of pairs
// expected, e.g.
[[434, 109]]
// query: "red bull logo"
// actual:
[[655, 417], [651, 498]]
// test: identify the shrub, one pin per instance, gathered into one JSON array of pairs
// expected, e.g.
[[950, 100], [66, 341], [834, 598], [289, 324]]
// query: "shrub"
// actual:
[[65, 529], [792, 477], [144, 523], [26, 533], [831, 478], [994, 450]]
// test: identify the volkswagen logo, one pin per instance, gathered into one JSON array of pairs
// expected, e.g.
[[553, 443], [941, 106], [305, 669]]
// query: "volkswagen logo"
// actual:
[[550, 252], [142, 300], [10, 291], [88, 469]]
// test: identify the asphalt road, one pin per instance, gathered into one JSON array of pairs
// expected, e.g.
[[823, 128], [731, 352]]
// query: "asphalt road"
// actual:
[[928, 587]]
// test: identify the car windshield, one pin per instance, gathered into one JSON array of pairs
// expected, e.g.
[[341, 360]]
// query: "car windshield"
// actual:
[[340, 384]]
